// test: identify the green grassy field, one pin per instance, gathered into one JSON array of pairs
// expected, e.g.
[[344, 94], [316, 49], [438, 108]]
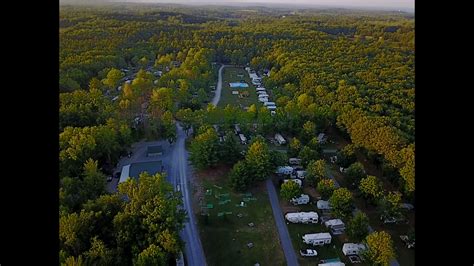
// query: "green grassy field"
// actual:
[[230, 75], [225, 238]]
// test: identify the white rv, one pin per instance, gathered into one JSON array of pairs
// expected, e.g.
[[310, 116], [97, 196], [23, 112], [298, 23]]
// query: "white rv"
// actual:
[[263, 99], [284, 170], [337, 226], [296, 161], [261, 92], [324, 206], [271, 107], [297, 181], [303, 199], [353, 249], [260, 89], [317, 239], [243, 139], [279, 138], [300, 174], [269, 103], [302, 217]]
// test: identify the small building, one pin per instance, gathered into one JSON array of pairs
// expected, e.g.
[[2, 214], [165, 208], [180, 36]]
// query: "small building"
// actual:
[[336, 226], [279, 138], [302, 217], [318, 239], [303, 199], [135, 169], [353, 249], [154, 151]]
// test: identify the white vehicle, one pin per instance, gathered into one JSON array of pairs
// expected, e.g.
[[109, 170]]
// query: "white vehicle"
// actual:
[[269, 103], [336, 263], [271, 107], [115, 98], [297, 181], [303, 199], [308, 253], [260, 89], [279, 138], [353, 249], [318, 239], [296, 161], [336, 226], [284, 170], [236, 129], [261, 92], [263, 100], [243, 139], [300, 174], [407, 206], [302, 217], [323, 205]]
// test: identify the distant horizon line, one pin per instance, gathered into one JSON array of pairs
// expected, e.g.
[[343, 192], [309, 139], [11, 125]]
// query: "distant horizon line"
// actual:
[[247, 4]]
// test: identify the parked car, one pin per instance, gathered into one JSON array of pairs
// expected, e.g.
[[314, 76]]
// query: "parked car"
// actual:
[[308, 253]]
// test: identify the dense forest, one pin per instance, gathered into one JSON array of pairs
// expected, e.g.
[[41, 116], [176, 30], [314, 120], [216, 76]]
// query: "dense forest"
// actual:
[[353, 71]]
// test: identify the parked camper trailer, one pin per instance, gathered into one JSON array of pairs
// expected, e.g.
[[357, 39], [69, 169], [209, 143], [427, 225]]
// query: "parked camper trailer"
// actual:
[[337, 226], [261, 92], [300, 174], [243, 139], [271, 107], [303, 199], [269, 103], [237, 129], [263, 99], [353, 249], [284, 170], [260, 89], [302, 217], [297, 181], [323, 205], [295, 161], [318, 239], [279, 138]]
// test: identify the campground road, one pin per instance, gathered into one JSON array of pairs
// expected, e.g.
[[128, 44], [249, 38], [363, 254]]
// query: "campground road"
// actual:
[[217, 96], [285, 239], [180, 172]]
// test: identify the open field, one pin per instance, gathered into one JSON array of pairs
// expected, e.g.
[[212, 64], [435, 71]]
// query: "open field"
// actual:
[[225, 236], [230, 75]]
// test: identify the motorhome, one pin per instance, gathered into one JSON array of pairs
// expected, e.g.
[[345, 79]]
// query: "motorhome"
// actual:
[[303, 199], [302, 217], [318, 239], [279, 138]]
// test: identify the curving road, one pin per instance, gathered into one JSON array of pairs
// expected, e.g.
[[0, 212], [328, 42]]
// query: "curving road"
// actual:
[[217, 96], [180, 172], [285, 239]]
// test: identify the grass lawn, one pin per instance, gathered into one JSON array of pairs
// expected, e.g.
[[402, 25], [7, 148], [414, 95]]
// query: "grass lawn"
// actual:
[[225, 238], [230, 75]]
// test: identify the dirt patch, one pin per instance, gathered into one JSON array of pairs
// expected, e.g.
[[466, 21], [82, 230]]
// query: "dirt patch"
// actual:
[[311, 191], [214, 175]]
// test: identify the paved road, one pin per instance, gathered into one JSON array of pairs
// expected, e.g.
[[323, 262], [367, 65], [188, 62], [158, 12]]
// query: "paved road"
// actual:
[[285, 239], [394, 262], [180, 173], [217, 96]]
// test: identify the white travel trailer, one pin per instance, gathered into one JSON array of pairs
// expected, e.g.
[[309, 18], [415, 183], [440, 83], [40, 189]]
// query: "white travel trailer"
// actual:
[[284, 170], [297, 181], [323, 205], [260, 92], [279, 138], [263, 99], [260, 89], [336, 226], [271, 107], [296, 161], [303, 199], [353, 249], [300, 174], [302, 217], [243, 139], [269, 104], [318, 239]]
